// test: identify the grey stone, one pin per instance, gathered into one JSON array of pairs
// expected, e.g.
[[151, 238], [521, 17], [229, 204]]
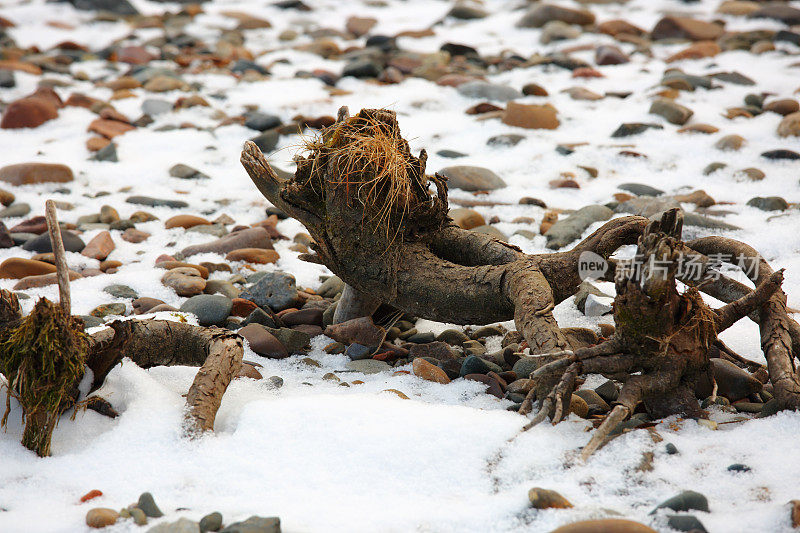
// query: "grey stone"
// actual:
[[687, 500], [218, 286], [634, 128], [211, 522], [584, 290], [640, 189], [488, 91], [217, 230], [508, 139], [358, 351], [258, 316], [598, 305], [7, 80], [210, 309], [19, 209], [469, 178], [368, 366], [156, 202], [364, 67], [276, 290], [118, 7], [464, 11], [292, 339], [153, 107], [41, 244], [769, 203], [688, 523], [671, 111], [108, 153], [257, 120], [255, 524], [267, 141], [121, 291], [182, 525], [475, 365], [331, 287], [185, 172], [148, 505], [571, 228]]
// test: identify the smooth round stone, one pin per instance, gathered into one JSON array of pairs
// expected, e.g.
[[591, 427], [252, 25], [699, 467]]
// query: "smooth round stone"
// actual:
[[368, 366], [687, 500], [186, 281], [112, 309], [358, 351], [211, 522], [605, 525], [101, 517], [263, 342], [145, 304], [147, 504], [547, 499], [18, 268], [210, 309], [640, 189], [42, 244], [121, 291], [452, 336]]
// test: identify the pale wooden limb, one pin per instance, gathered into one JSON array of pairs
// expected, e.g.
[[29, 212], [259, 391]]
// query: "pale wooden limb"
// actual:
[[58, 252], [617, 415]]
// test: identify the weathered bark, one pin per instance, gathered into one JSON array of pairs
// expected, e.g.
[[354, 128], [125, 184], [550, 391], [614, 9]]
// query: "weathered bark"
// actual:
[[151, 343], [57, 245], [420, 262], [364, 199]]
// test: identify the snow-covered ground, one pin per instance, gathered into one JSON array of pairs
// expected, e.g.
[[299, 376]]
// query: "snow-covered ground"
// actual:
[[325, 457]]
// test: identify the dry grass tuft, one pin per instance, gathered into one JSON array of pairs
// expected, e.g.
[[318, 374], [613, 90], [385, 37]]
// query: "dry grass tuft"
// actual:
[[373, 165]]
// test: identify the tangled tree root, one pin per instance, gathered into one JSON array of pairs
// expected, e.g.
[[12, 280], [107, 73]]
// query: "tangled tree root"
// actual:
[[345, 192]]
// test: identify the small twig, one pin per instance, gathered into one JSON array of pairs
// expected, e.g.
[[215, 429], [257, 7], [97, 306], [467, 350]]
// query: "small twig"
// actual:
[[617, 415], [58, 251]]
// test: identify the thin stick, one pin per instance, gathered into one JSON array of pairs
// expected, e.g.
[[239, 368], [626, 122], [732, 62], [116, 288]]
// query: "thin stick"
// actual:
[[58, 251], [617, 415]]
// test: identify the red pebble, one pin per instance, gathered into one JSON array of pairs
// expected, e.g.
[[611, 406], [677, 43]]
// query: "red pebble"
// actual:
[[92, 494]]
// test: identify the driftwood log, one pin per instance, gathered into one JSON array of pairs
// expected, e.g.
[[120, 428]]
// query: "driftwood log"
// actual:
[[365, 200]]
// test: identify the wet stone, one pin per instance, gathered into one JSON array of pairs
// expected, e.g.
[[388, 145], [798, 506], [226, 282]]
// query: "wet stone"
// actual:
[[147, 504], [42, 244]]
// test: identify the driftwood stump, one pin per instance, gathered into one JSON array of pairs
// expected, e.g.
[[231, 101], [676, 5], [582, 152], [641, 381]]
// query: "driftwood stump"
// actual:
[[365, 200]]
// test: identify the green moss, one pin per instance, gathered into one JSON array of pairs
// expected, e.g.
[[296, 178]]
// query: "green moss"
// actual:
[[43, 360]]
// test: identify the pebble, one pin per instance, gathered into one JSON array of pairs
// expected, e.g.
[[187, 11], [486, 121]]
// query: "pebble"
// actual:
[[156, 202], [182, 525], [531, 116], [100, 247], [470, 178], [31, 173], [185, 221], [185, 172], [731, 142], [429, 372], [255, 524], [685, 28], [769, 203], [147, 504], [113, 309], [253, 255], [275, 290], [671, 111], [540, 15], [121, 291], [368, 366], [211, 522], [488, 91], [688, 523], [547, 499], [101, 517], [29, 112], [263, 342], [247, 238], [789, 127], [571, 228], [687, 500], [42, 244], [634, 128], [185, 281], [210, 309], [605, 525]]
